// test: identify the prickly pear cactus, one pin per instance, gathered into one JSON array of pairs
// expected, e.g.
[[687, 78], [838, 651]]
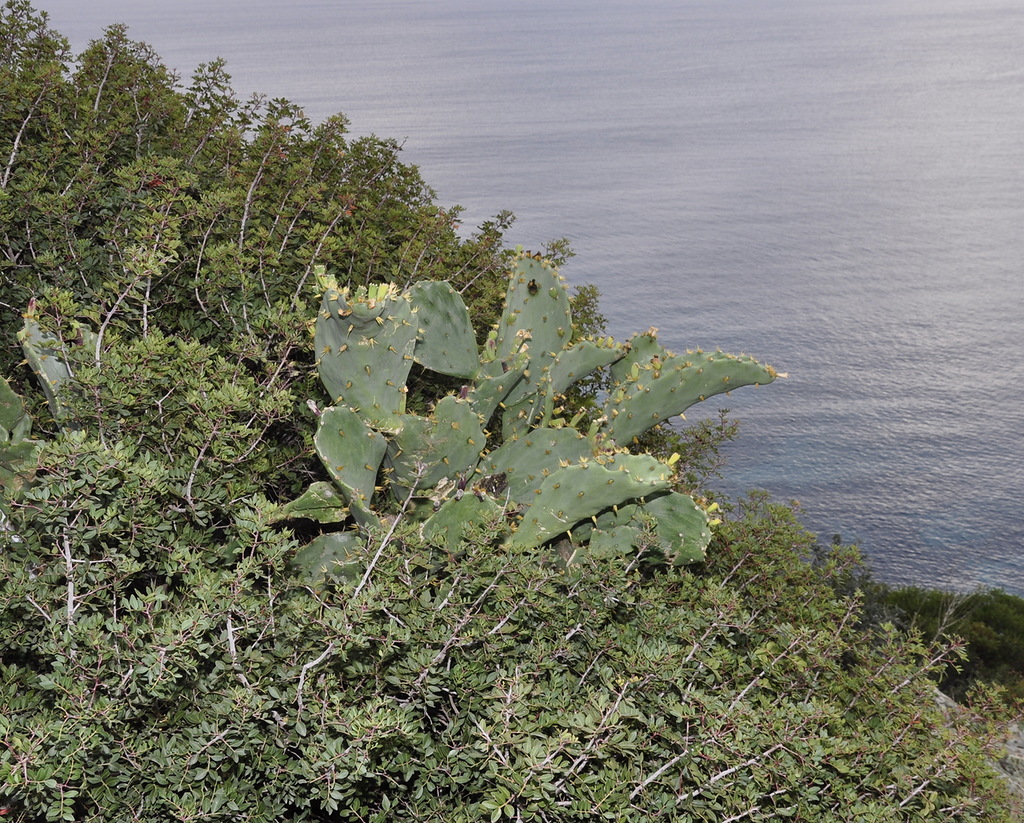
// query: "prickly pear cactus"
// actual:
[[48, 357], [578, 492], [426, 450], [447, 343], [352, 452], [17, 450], [544, 477]]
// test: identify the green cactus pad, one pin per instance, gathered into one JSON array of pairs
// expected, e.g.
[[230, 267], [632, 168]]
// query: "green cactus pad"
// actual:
[[536, 317], [575, 493], [532, 410], [44, 355], [331, 557], [15, 424], [614, 542], [447, 343], [569, 366], [320, 502], [581, 360], [640, 349], [449, 524], [681, 525], [529, 459], [352, 452], [491, 391], [665, 387], [17, 451], [426, 450], [364, 351]]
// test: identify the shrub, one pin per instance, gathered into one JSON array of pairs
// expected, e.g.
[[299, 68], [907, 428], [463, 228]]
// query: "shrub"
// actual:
[[990, 623], [161, 683]]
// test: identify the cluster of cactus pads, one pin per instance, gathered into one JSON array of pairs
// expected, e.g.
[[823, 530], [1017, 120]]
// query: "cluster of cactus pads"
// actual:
[[496, 451], [17, 449]]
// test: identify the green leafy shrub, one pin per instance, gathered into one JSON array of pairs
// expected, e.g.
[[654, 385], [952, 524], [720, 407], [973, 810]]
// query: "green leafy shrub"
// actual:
[[451, 687], [129, 204], [990, 623]]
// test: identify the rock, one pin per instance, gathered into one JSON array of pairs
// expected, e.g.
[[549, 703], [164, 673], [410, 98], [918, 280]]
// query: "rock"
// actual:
[[1012, 764]]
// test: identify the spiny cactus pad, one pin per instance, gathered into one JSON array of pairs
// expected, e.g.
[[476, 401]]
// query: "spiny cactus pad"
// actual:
[[352, 453], [320, 502], [17, 451], [456, 516], [665, 385], [48, 358], [15, 424], [528, 460], [578, 492], [364, 350], [333, 555], [581, 360], [446, 343], [425, 450], [537, 303]]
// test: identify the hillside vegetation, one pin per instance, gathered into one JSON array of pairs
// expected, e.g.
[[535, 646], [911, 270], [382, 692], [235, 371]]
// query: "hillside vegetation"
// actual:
[[215, 607]]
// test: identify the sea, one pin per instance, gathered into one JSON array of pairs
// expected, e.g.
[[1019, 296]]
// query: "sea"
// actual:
[[833, 186]]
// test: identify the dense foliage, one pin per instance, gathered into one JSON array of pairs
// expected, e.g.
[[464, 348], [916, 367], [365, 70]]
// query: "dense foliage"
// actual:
[[132, 205], [455, 687], [989, 622], [162, 660]]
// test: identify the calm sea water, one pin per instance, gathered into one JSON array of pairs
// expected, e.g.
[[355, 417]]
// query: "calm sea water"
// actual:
[[834, 186]]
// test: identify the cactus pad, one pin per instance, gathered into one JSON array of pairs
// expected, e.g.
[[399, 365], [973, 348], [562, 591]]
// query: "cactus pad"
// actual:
[[364, 350], [578, 492], [665, 386], [428, 449], [320, 502], [446, 341], [352, 453]]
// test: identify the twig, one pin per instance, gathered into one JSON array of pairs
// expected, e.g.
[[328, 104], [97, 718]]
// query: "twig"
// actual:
[[233, 651], [747, 813], [110, 316], [391, 531], [195, 469], [20, 135], [602, 727], [40, 609], [305, 668], [724, 774], [914, 793], [659, 773], [70, 565], [451, 641], [509, 616]]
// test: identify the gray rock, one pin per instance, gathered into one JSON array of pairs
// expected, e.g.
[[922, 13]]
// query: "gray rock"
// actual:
[[1011, 765]]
